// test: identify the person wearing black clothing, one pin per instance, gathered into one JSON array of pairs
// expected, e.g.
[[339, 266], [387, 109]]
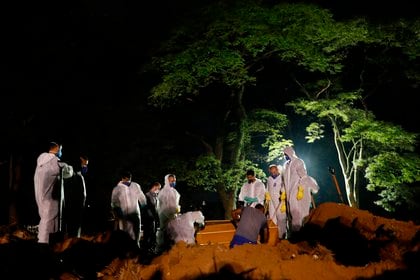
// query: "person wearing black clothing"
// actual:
[[75, 199], [151, 218]]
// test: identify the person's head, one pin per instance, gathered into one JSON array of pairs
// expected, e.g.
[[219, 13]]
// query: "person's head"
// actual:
[[84, 160], [259, 206], [55, 148], [289, 152], [274, 170], [126, 177], [172, 180], [250, 176], [155, 187]]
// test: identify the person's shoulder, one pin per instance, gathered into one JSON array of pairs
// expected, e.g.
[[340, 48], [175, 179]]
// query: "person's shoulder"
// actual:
[[259, 182], [115, 189]]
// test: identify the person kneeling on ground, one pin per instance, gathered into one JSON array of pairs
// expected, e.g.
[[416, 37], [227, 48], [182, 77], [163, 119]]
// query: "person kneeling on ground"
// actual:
[[253, 223], [184, 227]]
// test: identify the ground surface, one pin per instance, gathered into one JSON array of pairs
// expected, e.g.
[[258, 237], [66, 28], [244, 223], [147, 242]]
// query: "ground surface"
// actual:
[[337, 242]]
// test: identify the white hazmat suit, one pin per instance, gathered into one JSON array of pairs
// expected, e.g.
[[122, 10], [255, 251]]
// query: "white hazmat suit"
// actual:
[[295, 176], [47, 194], [181, 228], [168, 200], [126, 201], [275, 187], [255, 191]]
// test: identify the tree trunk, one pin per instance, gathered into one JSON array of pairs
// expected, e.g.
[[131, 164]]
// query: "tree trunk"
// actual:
[[228, 200]]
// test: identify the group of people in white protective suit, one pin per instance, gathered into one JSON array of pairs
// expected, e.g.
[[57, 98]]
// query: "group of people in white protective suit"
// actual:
[[287, 196], [128, 200], [51, 176]]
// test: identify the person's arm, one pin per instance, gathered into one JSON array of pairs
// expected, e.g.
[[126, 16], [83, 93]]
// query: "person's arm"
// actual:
[[301, 169], [264, 233], [177, 199], [236, 216], [115, 205], [261, 193], [141, 197], [241, 195]]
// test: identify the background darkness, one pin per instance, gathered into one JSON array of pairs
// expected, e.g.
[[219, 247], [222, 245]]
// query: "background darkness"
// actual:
[[70, 73]]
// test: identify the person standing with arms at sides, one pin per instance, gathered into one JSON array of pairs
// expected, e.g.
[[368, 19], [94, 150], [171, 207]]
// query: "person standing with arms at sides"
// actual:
[[126, 200], [277, 214], [253, 191], [47, 191], [151, 217], [75, 199], [298, 189], [169, 207]]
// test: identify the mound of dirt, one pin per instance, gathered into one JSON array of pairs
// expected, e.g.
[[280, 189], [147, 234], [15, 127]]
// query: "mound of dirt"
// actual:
[[337, 242]]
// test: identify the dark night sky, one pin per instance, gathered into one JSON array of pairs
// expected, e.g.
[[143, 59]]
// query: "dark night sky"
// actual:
[[60, 60], [89, 52]]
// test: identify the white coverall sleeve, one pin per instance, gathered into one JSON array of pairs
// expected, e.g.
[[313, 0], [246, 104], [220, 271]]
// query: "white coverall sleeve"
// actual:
[[260, 192], [142, 197], [301, 170], [114, 198], [241, 195]]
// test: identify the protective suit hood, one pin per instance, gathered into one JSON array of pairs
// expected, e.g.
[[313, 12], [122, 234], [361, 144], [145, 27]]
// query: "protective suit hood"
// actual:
[[167, 180], [44, 158], [289, 151]]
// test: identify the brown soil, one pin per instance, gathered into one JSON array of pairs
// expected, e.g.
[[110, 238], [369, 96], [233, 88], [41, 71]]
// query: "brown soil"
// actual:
[[337, 242]]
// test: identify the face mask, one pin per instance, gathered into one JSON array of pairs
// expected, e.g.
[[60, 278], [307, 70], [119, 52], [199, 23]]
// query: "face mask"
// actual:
[[59, 154], [127, 183], [274, 176], [173, 184], [251, 181]]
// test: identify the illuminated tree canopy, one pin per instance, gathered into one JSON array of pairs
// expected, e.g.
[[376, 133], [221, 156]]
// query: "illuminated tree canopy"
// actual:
[[221, 53]]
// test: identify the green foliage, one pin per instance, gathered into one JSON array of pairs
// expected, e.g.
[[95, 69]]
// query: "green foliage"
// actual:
[[402, 34], [379, 149], [396, 177], [379, 135], [266, 128], [315, 132], [228, 43], [340, 107], [208, 173], [263, 121], [235, 176]]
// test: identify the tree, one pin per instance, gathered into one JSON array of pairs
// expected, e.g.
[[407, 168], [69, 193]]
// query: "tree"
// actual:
[[220, 57], [396, 177], [361, 142]]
